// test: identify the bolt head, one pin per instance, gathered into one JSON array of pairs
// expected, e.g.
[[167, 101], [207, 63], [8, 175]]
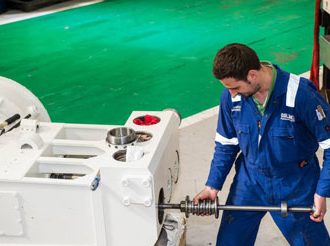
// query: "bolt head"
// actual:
[[146, 183], [147, 202], [126, 201]]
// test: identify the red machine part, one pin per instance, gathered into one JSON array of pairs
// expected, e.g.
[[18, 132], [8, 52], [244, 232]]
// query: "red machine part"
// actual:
[[314, 75]]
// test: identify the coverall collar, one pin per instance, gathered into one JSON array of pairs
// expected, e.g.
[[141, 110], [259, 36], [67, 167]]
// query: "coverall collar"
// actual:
[[280, 87]]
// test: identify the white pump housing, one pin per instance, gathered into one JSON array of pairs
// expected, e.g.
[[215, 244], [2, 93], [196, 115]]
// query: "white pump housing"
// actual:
[[65, 184]]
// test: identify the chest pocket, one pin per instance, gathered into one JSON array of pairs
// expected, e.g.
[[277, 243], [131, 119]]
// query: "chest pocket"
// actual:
[[244, 139], [284, 145]]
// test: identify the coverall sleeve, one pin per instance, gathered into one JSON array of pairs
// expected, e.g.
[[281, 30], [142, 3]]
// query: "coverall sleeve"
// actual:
[[316, 115], [226, 145]]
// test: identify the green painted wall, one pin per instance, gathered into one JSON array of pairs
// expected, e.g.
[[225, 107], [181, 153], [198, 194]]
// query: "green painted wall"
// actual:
[[98, 63]]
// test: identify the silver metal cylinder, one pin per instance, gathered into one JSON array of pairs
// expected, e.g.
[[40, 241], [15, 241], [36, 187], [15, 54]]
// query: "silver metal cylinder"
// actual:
[[121, 136], [284, 209]]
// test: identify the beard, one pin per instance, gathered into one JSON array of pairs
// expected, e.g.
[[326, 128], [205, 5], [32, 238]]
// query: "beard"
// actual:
[[253, 90]]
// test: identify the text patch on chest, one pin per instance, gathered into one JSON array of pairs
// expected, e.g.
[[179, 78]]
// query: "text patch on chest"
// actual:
[[289, 117]]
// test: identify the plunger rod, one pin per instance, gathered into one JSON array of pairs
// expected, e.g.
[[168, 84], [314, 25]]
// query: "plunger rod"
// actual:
[[244, 208], [209, 207], [264, 208]]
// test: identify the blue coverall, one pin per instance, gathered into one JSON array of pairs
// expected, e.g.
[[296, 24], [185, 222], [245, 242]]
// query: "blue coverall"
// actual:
[[277, 161]]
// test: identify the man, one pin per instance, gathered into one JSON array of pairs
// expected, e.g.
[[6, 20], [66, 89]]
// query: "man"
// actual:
[[277, 121]]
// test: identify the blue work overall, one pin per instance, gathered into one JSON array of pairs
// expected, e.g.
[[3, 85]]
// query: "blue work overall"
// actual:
[[276, 160]]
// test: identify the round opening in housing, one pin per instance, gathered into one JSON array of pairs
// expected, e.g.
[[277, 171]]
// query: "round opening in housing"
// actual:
[[161, 199], [120, 155], [26, 146], [121, 135], [143, 136], [146, 120]]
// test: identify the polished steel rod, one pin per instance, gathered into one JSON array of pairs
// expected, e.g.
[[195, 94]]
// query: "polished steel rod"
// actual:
[[263, 208], [212, 207], [243, 208]]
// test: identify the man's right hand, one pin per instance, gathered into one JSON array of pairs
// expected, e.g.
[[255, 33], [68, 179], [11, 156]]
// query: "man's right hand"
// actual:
[[206, 193]]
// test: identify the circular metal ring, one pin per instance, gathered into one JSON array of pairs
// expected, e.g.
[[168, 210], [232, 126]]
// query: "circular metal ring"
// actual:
[[284, 209], [121, 136], [186, 205], [216, 210]]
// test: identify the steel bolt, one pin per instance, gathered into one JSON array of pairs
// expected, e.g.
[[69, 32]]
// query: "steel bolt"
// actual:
[[146, 182], [147, 202], [126, 201]]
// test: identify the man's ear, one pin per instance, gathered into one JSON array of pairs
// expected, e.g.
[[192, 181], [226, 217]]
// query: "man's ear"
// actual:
[[252, 75]]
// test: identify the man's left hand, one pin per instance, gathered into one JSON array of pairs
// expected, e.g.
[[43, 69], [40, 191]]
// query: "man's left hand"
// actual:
[[320, 204]]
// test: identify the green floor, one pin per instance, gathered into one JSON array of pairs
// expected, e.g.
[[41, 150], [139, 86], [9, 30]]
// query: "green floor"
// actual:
[[98, 63]]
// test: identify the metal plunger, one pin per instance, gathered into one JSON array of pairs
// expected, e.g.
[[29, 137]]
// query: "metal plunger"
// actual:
[[209, 207]]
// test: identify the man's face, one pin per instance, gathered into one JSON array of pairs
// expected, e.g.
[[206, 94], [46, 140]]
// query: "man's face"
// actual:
[[245, 88]]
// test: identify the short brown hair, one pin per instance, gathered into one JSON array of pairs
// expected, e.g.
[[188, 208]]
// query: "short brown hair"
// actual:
[[234, 61]]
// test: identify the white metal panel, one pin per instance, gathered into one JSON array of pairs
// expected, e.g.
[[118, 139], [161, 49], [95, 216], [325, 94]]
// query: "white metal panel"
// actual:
[[15, 98], [71, 211], [62, 184], [11, 223]]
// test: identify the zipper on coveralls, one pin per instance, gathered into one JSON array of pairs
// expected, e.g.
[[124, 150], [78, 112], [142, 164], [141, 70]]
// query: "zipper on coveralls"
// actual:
[[259, 127]]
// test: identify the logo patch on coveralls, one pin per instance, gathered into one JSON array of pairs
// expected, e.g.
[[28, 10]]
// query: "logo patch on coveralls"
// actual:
[[320, 113], [237, 108], [289, 117]]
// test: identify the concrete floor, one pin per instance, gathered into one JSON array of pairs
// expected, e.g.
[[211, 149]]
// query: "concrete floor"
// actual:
[[197, 144]]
